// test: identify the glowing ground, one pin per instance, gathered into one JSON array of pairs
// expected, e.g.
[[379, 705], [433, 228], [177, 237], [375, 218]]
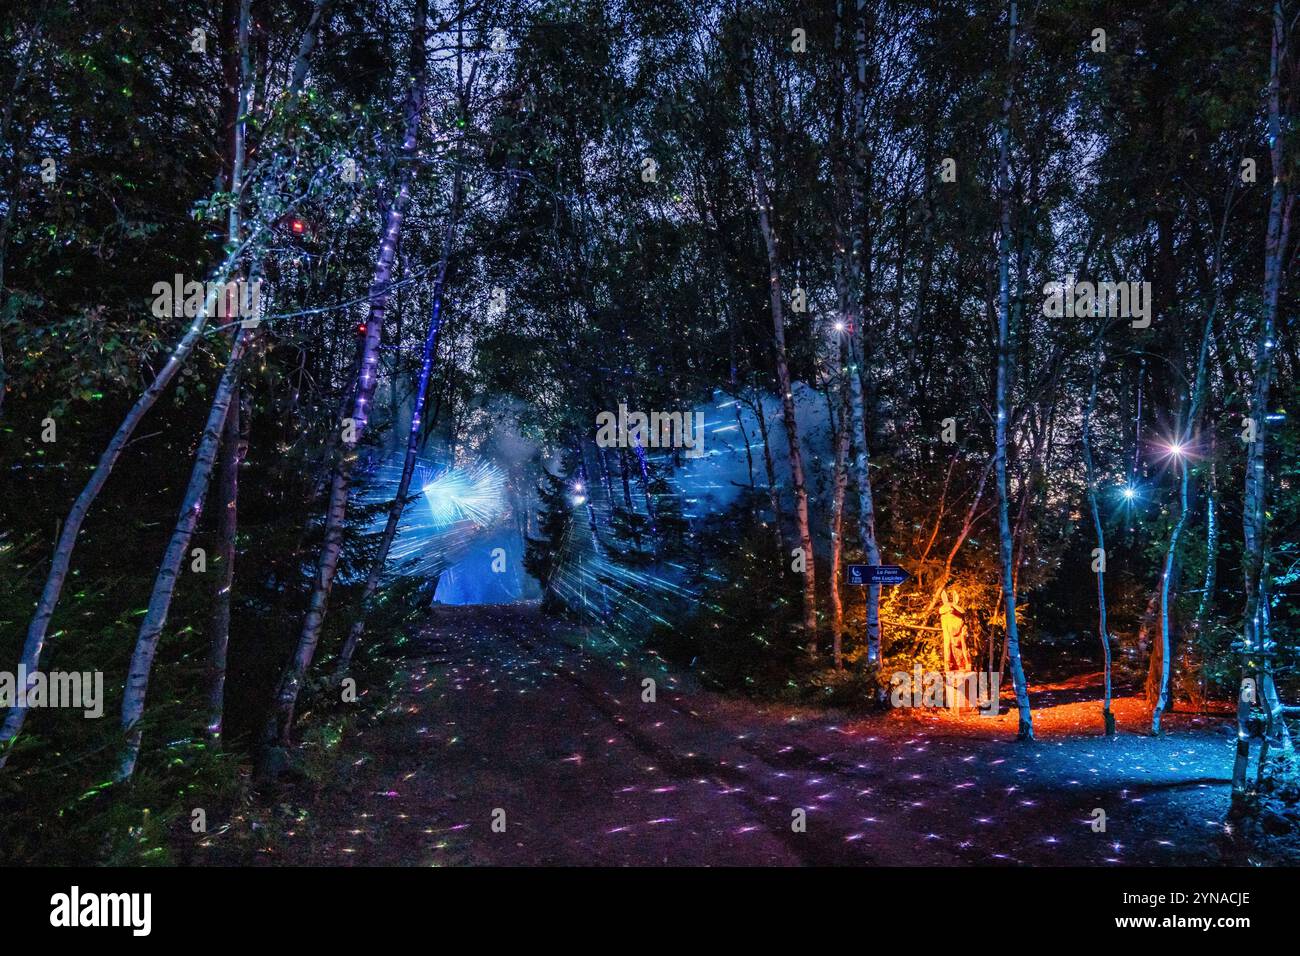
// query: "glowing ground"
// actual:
[[500, 712]]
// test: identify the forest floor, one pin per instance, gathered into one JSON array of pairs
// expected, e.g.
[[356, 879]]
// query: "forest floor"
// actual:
[[501, 710]]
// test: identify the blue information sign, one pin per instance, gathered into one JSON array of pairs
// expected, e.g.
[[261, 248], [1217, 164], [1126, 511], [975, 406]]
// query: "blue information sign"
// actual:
[[876, 574]]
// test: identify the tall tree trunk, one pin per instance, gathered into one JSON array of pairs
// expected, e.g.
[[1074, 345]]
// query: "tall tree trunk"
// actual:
[[775, 298], [281, 719], [1026, 728], [234, 448], [855, 317], [1164, 648], [866, 503], [1211, 544], [155, 618], [1090, 476], [1185, 439], [201, 475], [1255, 636], [413, 437], [236, 73], [839, 485]]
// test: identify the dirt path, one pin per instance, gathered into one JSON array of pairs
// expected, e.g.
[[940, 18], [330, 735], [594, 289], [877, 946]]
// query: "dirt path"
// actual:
[[501, 714]]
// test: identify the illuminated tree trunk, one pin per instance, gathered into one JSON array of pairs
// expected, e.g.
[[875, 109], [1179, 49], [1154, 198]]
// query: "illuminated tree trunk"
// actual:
[[775, 298], [839, 486], [363, 390], [1255, 635], [1166, 585], [1185, 439], [866, 510], [1026, 728], [155, 618], [1103, 634], [237, 73], [234, 448], [1211, 543], [856, 320], [413, 438]]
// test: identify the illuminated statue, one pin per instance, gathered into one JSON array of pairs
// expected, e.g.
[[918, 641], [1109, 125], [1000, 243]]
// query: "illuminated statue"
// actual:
[[952, 616], [956, 660]]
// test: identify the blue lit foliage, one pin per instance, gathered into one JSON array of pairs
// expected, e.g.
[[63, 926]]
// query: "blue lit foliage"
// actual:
[[445, 518]]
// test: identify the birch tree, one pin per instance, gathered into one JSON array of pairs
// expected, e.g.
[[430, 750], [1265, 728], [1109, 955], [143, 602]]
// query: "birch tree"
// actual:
[[1180, 451], [1090, 479], [776, 299], [1026, 728], [234, 439], [155, 618], [362, 391], [415, 432], [856, 320], [839, 487], [1255, 631], [151, 627]]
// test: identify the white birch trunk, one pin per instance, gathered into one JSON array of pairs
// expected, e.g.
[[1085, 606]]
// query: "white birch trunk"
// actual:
[[413, 437], [1255, 635], [857, 345], [155, 618], [281, 719], [1026, 728], [1185, 439], [1103, 634], [802, 523]]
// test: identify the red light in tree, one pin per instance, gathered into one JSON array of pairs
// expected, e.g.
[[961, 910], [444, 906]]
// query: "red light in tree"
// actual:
[[361, 329], [297, 226]]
